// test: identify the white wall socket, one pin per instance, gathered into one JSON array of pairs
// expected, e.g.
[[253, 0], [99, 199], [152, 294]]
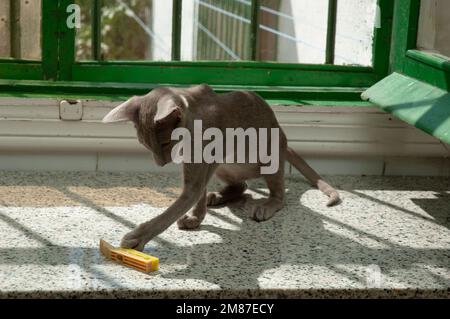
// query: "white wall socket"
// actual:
[[71, 110]]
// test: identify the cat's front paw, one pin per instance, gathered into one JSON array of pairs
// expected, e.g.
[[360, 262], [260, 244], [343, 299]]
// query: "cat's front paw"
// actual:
[[134, 240], [188, 222]]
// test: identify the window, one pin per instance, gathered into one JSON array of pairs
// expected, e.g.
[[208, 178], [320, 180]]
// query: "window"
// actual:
[[304, 51], [20, 24], [289, 31], [418, 50], [282, 48], [125, 30], [417, 90]]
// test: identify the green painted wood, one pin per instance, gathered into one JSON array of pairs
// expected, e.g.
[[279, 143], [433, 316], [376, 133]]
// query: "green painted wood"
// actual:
[[96, 28], [66, 46], [404, 34], [16, 61], [433, 59], [176, 29], [19, 70], [305, 95], [427, 73], [331, 31], [405, 59], [15, 32], [121, 97], [49, 39], [117, 98], [59, 64], [254, 29], [234, 64], [417, 103], [382, 37], [222, 75]]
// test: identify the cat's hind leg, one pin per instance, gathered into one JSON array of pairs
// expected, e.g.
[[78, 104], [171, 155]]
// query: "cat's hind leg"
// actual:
[[233, 191], [267, 209]]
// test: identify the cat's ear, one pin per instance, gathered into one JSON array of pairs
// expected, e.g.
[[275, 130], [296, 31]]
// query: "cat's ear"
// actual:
[[126, 111], [168, 108]]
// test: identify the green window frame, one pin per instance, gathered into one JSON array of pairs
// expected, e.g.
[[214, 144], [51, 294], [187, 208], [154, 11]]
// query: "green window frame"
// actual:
[[417, 89], [406, 59], [273, 80]]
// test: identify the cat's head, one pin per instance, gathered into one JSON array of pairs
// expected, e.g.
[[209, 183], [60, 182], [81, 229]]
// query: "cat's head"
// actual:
[[155, 116]]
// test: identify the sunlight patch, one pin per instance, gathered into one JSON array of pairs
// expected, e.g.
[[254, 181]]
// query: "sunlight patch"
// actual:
[[305, 276], [389, 217]]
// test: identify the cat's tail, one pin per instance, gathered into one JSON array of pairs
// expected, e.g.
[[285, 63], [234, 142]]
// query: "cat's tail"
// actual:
[[311, 175]]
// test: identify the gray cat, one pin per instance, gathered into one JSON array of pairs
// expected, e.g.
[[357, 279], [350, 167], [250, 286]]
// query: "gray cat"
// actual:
[[158, 113]]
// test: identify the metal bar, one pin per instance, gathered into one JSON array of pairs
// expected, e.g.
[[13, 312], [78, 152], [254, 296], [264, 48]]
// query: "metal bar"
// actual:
[[96, 30], [331, 31], [254, 27], [49, 39], [381, 47], [66, 42], [176, 29], [15, 33]]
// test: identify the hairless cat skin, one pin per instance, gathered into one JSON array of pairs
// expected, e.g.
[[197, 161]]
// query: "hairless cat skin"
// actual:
[[158, 113]]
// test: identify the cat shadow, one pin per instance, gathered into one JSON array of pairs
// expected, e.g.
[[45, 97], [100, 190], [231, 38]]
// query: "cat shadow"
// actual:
[[438, 207]]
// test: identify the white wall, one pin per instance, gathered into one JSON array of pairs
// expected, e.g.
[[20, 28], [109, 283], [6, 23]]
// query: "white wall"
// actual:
[[434, 26], [336, 140]]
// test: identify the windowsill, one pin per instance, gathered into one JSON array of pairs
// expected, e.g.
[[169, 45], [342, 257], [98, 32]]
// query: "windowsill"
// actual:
[[431, 58], [33, 125], [111, 91]]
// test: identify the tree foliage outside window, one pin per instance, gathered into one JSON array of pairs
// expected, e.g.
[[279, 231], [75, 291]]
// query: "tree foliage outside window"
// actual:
[[122, 38]]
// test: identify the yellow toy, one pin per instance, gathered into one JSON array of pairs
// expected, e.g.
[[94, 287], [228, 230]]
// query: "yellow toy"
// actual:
[[129, 257]]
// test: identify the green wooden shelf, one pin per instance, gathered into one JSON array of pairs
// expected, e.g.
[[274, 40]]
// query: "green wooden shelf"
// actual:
[[418, 103]]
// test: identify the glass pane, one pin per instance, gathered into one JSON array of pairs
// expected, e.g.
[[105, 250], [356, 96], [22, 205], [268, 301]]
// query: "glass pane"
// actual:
[[293, 31], [215, 30], [130, 30], [20, 29], [355, 31], [83, 34], [434, 26], [290, 31]]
